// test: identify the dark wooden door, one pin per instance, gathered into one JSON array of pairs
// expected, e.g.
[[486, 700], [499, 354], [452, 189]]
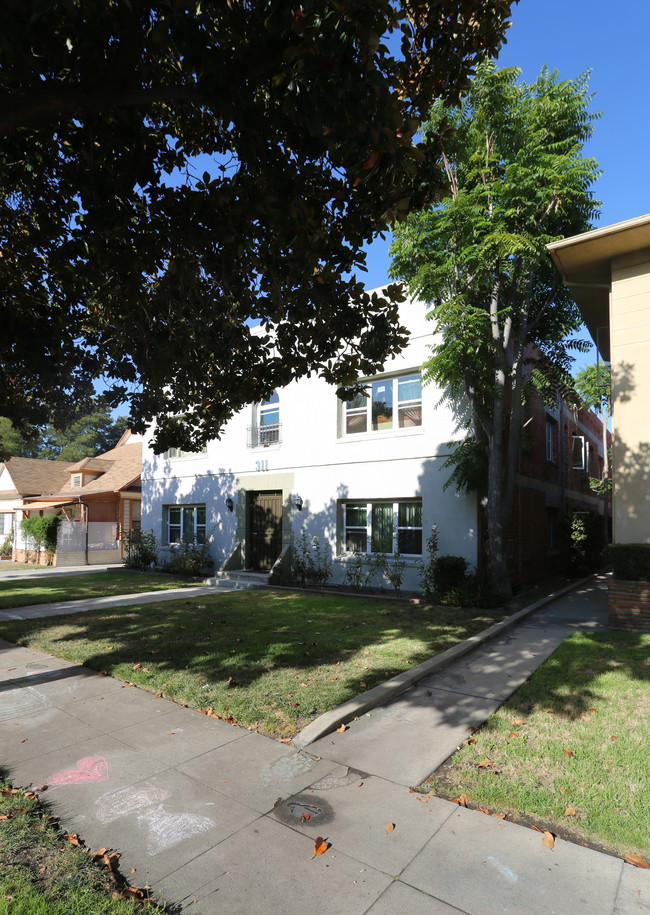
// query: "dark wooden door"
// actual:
[[264, 529]]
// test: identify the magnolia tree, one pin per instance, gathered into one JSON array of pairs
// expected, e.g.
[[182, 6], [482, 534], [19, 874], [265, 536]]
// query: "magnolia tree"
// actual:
[[516, 180], [175, 172]]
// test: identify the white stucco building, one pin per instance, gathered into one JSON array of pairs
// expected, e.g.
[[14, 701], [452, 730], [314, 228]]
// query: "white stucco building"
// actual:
[[354, 474]]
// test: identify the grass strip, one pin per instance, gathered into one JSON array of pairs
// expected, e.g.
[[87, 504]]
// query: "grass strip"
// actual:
[[569, 750], [43, 873], [271, 660], [45, 590]]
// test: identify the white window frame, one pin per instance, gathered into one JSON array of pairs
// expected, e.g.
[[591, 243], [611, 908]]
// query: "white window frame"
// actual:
[[550, 439], [6, 523], [366, 529], [195, 528], [268, 433], [579, 452], [399, 407], [77, 480], [173, 453]]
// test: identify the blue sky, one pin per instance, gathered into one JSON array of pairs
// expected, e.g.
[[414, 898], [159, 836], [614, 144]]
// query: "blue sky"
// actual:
[[610, 39]]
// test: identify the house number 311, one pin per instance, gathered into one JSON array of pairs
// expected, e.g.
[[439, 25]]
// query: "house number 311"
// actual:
[[261, 465]]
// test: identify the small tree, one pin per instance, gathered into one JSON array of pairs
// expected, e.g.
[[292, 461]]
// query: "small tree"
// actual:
[[517, 180], [42, 532], [594, 387]]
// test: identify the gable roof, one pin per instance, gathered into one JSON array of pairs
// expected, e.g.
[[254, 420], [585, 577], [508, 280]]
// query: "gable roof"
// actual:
[[33, 476]]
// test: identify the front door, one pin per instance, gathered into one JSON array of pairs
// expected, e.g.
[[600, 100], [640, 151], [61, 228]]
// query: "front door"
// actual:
[[264, 529]]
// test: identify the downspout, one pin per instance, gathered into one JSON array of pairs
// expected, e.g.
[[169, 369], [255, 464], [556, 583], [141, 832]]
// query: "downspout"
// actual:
[[84, 519], [561, 456]]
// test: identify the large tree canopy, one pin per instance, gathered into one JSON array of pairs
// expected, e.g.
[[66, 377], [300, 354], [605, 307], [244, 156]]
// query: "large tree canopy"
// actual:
[[517, 180], [176, 171], [90, 433]]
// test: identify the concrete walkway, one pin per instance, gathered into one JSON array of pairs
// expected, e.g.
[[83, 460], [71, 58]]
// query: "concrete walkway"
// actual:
[[214, 817]]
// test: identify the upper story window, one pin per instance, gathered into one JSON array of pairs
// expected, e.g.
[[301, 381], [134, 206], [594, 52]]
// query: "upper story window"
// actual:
[[181, 453], [387, 404], [76, 480], [265, 430], [550, 439], [579, 452]]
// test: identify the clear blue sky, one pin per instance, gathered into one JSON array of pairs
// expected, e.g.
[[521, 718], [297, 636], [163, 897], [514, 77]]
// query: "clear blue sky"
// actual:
[[611, 39]]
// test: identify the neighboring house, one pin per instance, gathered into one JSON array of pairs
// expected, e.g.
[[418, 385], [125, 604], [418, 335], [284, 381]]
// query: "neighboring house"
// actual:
[[359, 475], [608, 273], [98, 500]]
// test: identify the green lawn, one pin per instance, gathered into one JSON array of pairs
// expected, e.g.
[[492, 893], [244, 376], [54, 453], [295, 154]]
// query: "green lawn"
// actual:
[[42, 873], [44, 590], [272, 660], [569, 750]]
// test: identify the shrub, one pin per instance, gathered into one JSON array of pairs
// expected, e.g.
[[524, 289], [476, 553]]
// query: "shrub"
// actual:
[[448, 572], [356, 577], [42, 532], [141, 550], [312, 561], [427, 580], [387, 567], [475, 590], [631, 561], [189, 557], [587, 541], [7, 547]]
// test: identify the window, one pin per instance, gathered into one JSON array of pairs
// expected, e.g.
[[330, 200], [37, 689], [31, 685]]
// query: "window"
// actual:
[[550, 440], [383, 527], [386, 404], [266, 427], [6, 522], [181, 453], [185, 521], [579, 453], [76, 480]]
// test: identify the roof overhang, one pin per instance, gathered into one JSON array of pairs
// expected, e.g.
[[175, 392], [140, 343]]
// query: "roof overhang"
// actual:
[[30, 504], [585, 264]]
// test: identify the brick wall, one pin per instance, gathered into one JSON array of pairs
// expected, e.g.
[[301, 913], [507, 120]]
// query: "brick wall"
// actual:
[[629, 605]]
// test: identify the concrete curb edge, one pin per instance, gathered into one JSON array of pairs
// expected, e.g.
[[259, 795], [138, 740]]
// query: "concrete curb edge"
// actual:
[[366, 701]]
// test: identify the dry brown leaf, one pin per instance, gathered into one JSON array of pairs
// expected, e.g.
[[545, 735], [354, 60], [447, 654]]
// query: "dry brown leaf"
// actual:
[[320, 846], [340, 730], [500, 816], [569, 811], [637, 861], [304, 817], [569, 752], [42, 788], [484, 764], [613, 737], [6, 816], [390, 827], [73, 839], [158, 695], [424, 798], [517, 721], [303, 684], [468, 741], [137, 666], [24, 740], [462, 800], [513, 734], [537, 829], [362, 684], [483, 810], [548, 839], [286, 740]]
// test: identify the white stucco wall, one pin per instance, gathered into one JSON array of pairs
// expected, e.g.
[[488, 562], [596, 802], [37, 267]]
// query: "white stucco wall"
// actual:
[[316, 461]]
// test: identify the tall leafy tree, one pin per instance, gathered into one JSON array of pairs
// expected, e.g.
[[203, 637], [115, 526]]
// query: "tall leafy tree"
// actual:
[[91, 433], [517, 179], [174, 172]]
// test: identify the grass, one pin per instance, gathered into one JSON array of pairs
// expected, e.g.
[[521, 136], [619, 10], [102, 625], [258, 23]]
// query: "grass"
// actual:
[[42, 873], [44, 590], [569, 750], [271, 660]]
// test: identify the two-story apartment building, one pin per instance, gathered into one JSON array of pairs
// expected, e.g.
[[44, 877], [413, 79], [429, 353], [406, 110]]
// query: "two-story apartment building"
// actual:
[[361, 475]]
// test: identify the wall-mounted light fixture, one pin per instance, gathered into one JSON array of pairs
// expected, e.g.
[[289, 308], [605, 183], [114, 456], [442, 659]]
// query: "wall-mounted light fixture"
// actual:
[[230, 505], [297, 501]]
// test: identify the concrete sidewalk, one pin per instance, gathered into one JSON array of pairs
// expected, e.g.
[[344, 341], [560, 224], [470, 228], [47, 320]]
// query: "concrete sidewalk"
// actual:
[[213, 817]]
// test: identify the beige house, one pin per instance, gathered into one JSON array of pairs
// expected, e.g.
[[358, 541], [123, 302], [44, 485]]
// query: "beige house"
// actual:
[[608, 273]]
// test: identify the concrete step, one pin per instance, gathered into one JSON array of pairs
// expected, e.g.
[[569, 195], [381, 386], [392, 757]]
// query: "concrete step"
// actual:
[[238, 579]]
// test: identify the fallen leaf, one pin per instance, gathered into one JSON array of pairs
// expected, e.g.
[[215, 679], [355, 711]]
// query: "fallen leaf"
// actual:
[[501, 816], [340, 730], [24, 740], [569, 752], [468, 741], [513, 734], [362, 684], [158, 695], [483, 810], [613, 737], [147, 670], [137, 666], [637, 861], [304, 817], [303, 684], [320, 846], [536, 828], [462, 800], [517, 721], [390, 827], [564, 790], [424, 798], [548, 840], [73, 839], [286, 740], [569, 812], [42, 788], [360, 784], [484, 764], [102, 673]]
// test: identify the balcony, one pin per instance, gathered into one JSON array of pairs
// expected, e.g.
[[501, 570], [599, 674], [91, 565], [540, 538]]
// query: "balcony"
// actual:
[[265, 436]]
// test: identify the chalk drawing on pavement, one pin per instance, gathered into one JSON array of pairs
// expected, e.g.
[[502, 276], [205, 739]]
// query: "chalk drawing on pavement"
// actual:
[[125, 801], [87, 769], [168, 829]]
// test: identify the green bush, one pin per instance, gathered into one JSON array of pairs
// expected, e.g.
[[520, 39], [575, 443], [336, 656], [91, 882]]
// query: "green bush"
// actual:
[[41, 532], [631, 561], [189, 557], [141, 550], [7, 547], [448, 572], [356, 576], [427, 578], [312, 561], [475, 590], [587, 541]]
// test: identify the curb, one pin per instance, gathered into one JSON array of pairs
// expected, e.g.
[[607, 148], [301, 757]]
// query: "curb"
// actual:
[[380, 694]]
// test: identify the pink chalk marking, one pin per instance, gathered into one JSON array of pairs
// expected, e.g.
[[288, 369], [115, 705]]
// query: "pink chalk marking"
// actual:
[[88, 769]]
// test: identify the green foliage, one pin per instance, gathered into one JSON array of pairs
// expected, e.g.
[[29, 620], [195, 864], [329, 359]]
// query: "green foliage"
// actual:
[[448, 572], [41, 532], [141, 550], [174, 172], [593, 384], [427, 578], [6, 548], [468, 463], [189, 557], [92, 430], [389, 568], [475, 590], [516, 180], [631, 561], [16, 444], [587, 543], [357, 575], [312, 561]]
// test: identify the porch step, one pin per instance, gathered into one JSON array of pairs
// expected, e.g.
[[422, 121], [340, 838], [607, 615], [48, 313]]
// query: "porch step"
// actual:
[[239, 580]]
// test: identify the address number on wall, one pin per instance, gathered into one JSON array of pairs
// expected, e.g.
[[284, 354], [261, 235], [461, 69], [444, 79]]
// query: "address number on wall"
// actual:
[[261, 465]]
